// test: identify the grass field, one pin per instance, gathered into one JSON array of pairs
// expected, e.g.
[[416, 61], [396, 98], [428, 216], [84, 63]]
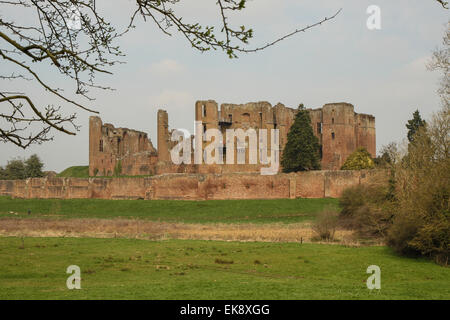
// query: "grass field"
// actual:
[[75, 172], [139, 269], [105, 239], [212, 211]]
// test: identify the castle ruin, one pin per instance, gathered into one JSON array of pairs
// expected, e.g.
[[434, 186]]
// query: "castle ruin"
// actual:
[[128, 152]]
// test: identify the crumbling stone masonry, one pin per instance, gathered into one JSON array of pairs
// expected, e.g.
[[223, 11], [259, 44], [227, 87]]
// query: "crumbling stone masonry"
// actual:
[[117, 150]]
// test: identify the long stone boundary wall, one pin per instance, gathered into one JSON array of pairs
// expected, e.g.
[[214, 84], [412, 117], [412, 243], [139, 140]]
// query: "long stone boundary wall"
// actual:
[[312, 184]]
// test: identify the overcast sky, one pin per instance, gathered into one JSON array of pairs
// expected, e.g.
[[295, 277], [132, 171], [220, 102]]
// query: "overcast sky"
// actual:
[[381, 72]]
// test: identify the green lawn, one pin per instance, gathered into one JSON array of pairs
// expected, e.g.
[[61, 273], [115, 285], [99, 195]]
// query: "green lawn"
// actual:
[[212, 211], [139, 269]]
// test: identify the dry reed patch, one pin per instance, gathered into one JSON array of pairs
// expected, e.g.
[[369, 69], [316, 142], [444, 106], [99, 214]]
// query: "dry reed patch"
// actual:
[[128, 228]]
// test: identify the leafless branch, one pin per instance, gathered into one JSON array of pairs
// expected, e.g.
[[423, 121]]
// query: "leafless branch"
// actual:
[[79, 53]]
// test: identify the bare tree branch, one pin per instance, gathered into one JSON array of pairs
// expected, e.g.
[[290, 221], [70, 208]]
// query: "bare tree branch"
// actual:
[[80, 53], [443, 3]]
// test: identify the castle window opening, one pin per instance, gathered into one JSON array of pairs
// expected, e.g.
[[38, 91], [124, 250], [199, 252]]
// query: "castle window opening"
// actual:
[[101, 146], [332, 135], [332, 120], [203, 110], [319, 127]]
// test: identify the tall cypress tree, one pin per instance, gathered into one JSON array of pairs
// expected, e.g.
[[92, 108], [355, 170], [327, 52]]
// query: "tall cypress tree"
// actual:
[[302, 150]]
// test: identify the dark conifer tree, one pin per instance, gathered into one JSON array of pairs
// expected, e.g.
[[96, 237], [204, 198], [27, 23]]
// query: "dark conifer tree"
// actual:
[[302, 150], [414, 124]]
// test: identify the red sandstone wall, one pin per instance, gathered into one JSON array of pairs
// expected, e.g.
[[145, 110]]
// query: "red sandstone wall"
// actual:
[[310, 184], [109, 145], [314, 184], [365, 133]]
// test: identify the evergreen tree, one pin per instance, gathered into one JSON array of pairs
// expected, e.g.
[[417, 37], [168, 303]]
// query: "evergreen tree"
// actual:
[[33, 167], [414, 124], [302, 150]]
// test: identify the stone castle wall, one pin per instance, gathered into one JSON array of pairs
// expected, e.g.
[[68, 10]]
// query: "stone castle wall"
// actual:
[[312, 184]]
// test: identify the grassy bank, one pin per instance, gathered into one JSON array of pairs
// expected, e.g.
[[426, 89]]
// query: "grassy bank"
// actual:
[[138, 269], [212, 211], [75, 172], [83, 172]]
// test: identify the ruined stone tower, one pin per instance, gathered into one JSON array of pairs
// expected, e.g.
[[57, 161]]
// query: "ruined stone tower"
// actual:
[[342, 132], [163, 136], [119, 150]]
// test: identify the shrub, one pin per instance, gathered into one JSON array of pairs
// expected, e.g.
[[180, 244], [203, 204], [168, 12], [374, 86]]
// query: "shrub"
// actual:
[[358, 160], [433, 240], [325, 224], [414, 235], [367, 209]]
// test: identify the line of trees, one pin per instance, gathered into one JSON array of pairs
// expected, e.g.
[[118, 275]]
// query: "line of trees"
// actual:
[[411, 212], [22, 169]]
